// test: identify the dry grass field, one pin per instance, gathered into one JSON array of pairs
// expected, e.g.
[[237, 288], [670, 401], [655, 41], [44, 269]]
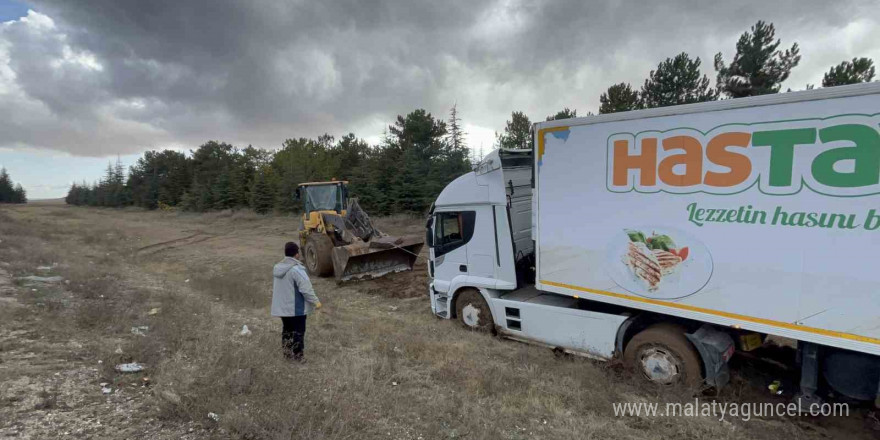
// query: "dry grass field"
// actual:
[[379, 364]]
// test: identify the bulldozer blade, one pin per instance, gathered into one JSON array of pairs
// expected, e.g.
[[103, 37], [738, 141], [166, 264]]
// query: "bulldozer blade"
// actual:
[[366, 260]]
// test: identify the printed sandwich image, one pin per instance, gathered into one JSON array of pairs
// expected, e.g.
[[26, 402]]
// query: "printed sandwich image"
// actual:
[[652, 258], [658, 262]]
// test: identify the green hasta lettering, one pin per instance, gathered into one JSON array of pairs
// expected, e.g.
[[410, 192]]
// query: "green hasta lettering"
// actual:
[[782, 143], [865, 153]]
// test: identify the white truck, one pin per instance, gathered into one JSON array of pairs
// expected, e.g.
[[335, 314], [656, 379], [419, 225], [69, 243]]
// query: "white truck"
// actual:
[[671, 237]]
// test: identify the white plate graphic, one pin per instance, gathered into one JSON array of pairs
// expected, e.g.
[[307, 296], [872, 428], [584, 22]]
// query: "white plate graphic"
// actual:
[[691, 276]]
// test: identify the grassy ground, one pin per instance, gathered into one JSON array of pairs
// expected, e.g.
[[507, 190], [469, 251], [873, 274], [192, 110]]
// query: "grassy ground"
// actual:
[[379, 364]]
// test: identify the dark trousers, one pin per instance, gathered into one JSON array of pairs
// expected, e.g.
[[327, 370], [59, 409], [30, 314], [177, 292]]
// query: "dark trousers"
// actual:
[[292, 332]]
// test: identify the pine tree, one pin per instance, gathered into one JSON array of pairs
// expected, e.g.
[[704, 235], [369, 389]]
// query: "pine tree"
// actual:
[[71, 197], [677, 81], [220, 193], [517, 133], [456, 135], [19, 194], [238, 187], [858, 70], [262, 197], [188, 201], [6, 189], [204, 198], [10, 192], [619, 98], [759, 67], [121, 194], [105, 187], [565, 113]]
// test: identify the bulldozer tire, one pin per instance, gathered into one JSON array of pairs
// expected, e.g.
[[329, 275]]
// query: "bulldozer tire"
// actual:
[[662, 354], [317, 254]]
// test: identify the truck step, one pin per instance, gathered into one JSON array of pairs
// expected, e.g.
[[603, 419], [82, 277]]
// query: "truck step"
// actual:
[[442, 314]]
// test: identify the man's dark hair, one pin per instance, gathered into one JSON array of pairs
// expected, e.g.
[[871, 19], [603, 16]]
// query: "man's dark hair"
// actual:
[[291, 249]]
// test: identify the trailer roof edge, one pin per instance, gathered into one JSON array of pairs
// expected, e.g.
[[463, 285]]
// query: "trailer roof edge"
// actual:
[[726, 104]]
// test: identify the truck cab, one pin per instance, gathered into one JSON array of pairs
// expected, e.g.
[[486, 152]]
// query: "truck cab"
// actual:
[[480, 226]]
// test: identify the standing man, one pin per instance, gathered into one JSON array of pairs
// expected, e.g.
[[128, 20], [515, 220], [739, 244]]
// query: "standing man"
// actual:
[[293, 299]]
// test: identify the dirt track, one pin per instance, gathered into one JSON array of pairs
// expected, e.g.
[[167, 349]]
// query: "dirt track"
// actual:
[[380, 365]]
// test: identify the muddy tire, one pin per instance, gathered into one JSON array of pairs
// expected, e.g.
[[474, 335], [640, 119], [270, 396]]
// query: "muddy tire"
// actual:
[[317, 255], [473, 312], [662, 354]]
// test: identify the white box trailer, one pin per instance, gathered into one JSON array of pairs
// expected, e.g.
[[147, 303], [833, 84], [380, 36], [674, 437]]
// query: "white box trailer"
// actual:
[[662, 235]]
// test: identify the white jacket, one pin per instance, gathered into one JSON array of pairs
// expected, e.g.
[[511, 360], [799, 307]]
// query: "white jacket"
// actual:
[[292, 292]]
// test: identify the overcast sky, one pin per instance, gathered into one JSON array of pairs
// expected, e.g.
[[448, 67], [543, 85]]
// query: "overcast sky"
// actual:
[[84, 81]]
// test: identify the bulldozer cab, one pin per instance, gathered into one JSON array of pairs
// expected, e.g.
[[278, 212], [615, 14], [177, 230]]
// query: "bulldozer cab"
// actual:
[[323, 196]]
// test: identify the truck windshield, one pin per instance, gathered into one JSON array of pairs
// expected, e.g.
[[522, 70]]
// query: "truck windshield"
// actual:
[[323, 198]]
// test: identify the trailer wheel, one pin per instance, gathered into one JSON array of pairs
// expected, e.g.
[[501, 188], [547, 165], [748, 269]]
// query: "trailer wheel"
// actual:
[[317, 255], [662, 354], [472, 311]]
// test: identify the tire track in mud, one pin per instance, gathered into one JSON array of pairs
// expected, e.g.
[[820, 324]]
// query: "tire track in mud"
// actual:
[[189, 240]]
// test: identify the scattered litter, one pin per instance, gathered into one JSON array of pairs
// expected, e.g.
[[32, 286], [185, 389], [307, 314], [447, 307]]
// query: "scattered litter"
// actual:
[[106, 390], [394, 383], [100, 362], [132, 367], [214, 416], [775, 387], [44, 267], [154, 311], [118, 350], [397, 349], [33, 290], [245, 331], [393, 308], [140, 330], [104, 384], [187, 280], [37, 279]]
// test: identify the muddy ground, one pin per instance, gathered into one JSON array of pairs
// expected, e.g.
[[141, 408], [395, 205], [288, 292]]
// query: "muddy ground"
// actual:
[[172, 291]]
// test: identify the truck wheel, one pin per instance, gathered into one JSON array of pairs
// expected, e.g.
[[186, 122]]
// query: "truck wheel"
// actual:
[[663, 355], [317, 255], [472, 311]]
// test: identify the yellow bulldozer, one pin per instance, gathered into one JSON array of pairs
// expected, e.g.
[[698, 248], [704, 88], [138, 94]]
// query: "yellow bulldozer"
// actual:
[[337, 236]]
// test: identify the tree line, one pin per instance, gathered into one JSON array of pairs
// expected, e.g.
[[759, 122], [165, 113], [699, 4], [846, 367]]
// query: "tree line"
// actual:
[[759, 67], [419, 154], [9, 192], [417, 157]]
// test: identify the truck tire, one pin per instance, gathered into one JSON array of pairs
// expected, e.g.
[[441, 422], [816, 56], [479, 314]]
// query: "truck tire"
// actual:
[[472, 311], [662, 354], [317, 255]]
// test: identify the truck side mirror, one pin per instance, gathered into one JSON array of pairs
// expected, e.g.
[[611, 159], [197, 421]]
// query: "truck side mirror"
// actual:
[[429, 236], [296, 194]]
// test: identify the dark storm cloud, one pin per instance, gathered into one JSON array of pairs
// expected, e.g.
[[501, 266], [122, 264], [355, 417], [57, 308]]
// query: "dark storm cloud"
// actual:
[[115, 76]]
